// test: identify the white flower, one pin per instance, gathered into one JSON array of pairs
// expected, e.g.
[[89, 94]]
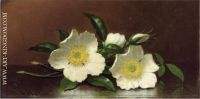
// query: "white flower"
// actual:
[[140, 38], [134, 69], [78, 56], [115, 38]]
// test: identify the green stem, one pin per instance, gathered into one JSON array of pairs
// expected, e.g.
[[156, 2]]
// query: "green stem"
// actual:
[[39, 75], [44, 65], [126, 44], [48, 67]]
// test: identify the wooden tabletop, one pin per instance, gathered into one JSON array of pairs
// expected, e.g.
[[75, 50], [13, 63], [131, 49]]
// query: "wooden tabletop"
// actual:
[[28, 86]]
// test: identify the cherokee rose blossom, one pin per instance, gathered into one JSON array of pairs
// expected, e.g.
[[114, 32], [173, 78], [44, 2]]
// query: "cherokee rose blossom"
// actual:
[[115, 38], [134, 69], [77, 56]]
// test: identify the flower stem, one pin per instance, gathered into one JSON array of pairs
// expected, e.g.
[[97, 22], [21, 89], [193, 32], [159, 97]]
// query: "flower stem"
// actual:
[[44, 65], [39, 75], [126, 44]]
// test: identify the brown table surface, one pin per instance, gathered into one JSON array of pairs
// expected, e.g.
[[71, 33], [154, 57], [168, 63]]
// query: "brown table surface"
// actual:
[[28, 86]]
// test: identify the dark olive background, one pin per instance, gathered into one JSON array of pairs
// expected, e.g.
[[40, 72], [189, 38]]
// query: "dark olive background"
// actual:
[[175, 23]]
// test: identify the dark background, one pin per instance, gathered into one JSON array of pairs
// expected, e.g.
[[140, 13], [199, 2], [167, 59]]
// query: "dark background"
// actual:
[[175, 23]]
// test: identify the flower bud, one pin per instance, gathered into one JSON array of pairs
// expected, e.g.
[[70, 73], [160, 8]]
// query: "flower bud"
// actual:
[[115, 38], [139, 38]]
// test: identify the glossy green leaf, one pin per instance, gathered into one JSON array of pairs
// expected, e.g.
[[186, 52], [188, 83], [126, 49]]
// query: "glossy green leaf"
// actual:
[[114, 48], [161, 70], [159, 58], [63, 34], [46, 47], [99, 25], [101, 81], [161, 84], [176, 71], [66, 84], [106, 70]]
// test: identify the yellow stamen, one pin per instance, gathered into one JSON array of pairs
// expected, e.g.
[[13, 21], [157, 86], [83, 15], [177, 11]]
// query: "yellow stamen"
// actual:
[[131, 69], [78, 55]]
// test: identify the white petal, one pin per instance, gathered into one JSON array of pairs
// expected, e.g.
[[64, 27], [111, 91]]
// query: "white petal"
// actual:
[[149, 64], [71, 40], [57, 59], [127, 84], [148, 80], [120, 58], [96, 64], [75, 73], [136, 52], [89, 40]]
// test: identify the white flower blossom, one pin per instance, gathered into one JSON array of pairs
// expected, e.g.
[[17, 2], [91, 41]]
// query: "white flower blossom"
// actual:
[[78, 57], [134, 69], [115, 38]]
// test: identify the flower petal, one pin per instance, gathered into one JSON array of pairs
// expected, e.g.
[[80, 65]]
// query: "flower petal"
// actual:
[[89, 40], [57, 59], [120, 58], [148, 80], [75, 73], [127, 84], [149, 64], [71, 40], [136, 52], [96, 64]]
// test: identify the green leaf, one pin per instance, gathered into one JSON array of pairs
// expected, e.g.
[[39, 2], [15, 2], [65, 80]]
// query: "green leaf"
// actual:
[[110, 50], [114, 48], [99, 25], [46, 47], [159, 58], [176, 71], [161, 70], [66, 84], [63, 34], [101, 81], [161, 83], [106, 70]]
